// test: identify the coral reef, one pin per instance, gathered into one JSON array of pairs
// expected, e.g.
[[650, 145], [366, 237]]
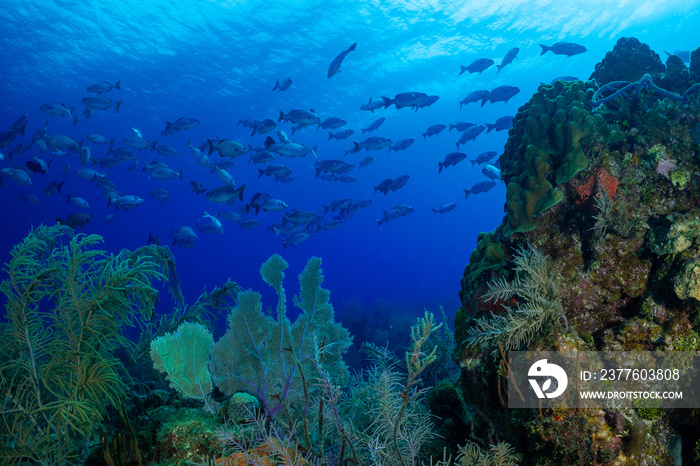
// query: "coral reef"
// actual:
[[610, 195]]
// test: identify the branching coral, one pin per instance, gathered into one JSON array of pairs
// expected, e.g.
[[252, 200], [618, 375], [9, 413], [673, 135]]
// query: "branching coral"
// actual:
[[619, 88]]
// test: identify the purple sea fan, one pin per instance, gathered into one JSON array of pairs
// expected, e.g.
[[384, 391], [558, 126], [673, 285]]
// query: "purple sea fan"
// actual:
[[665, 166]]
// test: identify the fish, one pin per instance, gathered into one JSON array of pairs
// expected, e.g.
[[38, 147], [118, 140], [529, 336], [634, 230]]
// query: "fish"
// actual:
[[461, 126], [31, 199], [122, 153], [62, 142], [232, 216], [264, 156], [445, 208], [401, 144], [184, 237], [374, 125], [37, 165], [210, 224], [286, 82], [383, 186], [346, 179], [470, 134], [109, 218], [491, 171], [249, 224], [293, 149], [20, 124], [273, 205], [157, 240], [483, 157], [373, 143], [451, 159], [77, 201], [76, 220], [223, 175], [179, 125], [125, 203], [399, 183], [405, 99], [257, 199], [227, 147], [299, 217], [18, 174], [274, 170], [337, 61], [200, 157], [329, 166], [98, 139], [165, 151], [225, 193], [501, 94], [295, 239], [161, 194], [338, 204], [58, 109], [7, 137], [197, 187], [366, 161], [510, 56], [85, 153], [501, 124], [475, 96], [372, 105], [478, 65], [427, 102], [346, 133], [434, 130], [478, 188], [137, 142], [100, 102], [563, 48], [263, 126], [103, 86], [396, 212], [332, 123], [300, 117]]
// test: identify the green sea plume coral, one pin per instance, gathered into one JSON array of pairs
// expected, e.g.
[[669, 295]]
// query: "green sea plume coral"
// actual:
[[537, 285], [67, 304]]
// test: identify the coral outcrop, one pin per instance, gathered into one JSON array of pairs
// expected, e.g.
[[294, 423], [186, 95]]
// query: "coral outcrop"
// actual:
[[609, 194]]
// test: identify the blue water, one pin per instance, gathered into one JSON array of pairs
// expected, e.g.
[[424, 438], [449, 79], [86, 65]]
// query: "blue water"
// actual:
[[218, 60]]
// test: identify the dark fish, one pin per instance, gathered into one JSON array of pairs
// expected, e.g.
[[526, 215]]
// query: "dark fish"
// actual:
[[366, 161], [451, 159], [374, 125], [501, 94], [383, 186], [434, 130], [282, 87], [344, 134], [157, 240], [510, 56], [295, 239], [480, 187], [461, 126], [225, 193], [427, 102], [563, 48], [264, 156], [406, 99], [372, 106], [475, 96], [103, 86], [53, 187], [57, 108], [249, 224], [470, 134], [97, 138], [100, 102], [337, 61], [76, 220], [445, 208], [332, 123], [396, 212], [501, 124], [197, 187], [483, 157], [478, 65], [37, 166], [31, 199], [399, 183], [401, 144]]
